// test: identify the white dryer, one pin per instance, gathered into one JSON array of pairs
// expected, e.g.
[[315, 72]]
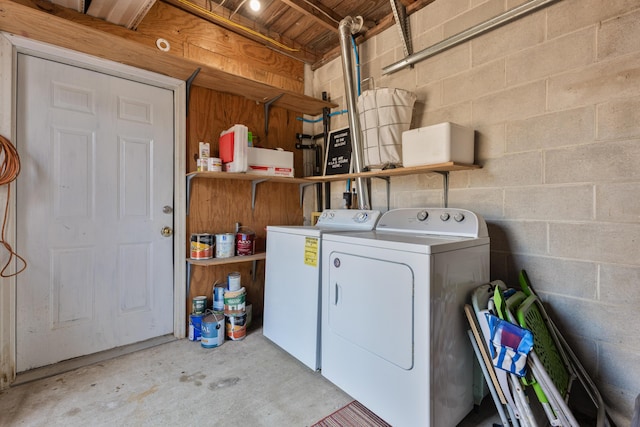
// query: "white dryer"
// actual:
[[393, 327], [292, 281]]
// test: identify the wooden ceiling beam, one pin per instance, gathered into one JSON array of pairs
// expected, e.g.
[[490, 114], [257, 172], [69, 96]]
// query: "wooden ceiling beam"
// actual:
[[383, 24], [246, 28], [317, 11]]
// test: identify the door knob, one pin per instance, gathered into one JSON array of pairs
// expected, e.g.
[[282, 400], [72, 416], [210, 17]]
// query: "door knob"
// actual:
[[166, 231]]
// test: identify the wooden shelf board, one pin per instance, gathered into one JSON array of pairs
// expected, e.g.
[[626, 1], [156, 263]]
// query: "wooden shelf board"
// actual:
[[247, 177], [230, 260], [440, 167]]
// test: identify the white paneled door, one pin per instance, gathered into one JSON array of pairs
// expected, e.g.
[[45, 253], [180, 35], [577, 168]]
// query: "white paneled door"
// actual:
[[94, 195]]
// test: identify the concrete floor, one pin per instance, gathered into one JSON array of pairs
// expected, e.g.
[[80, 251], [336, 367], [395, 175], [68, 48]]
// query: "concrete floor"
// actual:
[[241, 383]]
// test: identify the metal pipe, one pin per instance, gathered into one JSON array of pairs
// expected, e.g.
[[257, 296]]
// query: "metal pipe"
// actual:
[[506, 17], [347, 27]]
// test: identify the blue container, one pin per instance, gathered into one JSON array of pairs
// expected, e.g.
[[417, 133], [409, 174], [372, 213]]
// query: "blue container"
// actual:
[[195, 327]]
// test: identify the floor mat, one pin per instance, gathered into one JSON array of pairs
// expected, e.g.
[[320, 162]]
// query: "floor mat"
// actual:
[[352, 415]]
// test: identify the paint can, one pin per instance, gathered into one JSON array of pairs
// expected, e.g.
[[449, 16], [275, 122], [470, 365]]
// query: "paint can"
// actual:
[[235, 302], [245, 242], [201, 246], [213, 330], [198, 304], [224, 245], [218, 297], [195, 327], [236, 327], [233, 281]]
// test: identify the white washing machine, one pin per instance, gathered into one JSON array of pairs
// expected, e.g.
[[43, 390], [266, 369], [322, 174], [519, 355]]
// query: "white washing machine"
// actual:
[[393, 327], [292, 281]]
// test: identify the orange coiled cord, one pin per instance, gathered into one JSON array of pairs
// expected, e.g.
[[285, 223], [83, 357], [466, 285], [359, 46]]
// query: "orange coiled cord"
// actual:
[[9, 170]]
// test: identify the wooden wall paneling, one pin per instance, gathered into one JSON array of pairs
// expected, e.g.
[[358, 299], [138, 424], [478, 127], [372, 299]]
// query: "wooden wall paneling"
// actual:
[[218, 204], [203, 41], [211, 112]]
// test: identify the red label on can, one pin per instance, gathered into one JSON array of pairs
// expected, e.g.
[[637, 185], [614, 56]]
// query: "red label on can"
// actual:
[[245, 243]]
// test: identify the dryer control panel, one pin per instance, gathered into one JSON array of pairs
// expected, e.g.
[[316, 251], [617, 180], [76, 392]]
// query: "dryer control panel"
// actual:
[[436, 221], [348, 219]]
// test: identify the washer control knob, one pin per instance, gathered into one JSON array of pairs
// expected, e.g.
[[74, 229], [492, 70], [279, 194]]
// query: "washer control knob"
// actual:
[[323, 215], [445, 216], [361, 217], [459, 217], [422, 215], [332, 214]]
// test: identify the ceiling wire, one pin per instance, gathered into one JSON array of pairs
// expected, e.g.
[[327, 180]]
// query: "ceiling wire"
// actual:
[[229, 22], [237, 8]]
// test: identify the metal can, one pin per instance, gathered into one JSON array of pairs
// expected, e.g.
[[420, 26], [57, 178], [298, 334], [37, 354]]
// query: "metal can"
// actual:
[[233, 281], [201, 246], [245, 242], [218, 297], [224, 245], [199, 304]]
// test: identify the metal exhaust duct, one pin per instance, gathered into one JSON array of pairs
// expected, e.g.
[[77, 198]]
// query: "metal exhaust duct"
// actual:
[[347, 27], [506, 17]]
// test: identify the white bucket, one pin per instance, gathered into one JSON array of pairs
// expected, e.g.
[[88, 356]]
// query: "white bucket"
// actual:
[[384, 114]]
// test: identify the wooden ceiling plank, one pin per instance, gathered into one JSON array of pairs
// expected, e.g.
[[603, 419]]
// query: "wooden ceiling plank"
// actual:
[[316, 10], [127, 13], [34, 23]]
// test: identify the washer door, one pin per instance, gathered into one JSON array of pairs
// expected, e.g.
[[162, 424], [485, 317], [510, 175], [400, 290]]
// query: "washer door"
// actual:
[[371, 305]]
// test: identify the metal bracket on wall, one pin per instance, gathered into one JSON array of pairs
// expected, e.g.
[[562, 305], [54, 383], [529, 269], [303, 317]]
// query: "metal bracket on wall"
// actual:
[[189, 81], [302, 188], [267, 107], [188, 278], [400, 16], [189, 178], [254, 184], [388, 180], [445, 187]]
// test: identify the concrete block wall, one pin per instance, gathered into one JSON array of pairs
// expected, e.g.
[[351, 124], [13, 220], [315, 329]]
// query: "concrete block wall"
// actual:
[[554, 98]]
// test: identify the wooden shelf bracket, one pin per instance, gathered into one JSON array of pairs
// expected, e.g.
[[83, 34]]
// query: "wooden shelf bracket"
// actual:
[[254, 184], [387, 179], [445, 187], [189, 179], [189, 81], [302, 188], [267, 107]]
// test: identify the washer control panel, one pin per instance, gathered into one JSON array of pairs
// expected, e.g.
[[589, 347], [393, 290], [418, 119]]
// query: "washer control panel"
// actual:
[[436, 221], [348, 219]]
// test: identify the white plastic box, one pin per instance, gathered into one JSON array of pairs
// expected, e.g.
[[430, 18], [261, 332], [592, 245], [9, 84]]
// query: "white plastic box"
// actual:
[[440, 143], [264, 161]]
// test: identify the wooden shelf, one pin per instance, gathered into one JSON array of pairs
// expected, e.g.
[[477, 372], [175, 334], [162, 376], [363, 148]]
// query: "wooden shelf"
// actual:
[[401, 171], [246, 177], [230, 260], [254, 178]]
